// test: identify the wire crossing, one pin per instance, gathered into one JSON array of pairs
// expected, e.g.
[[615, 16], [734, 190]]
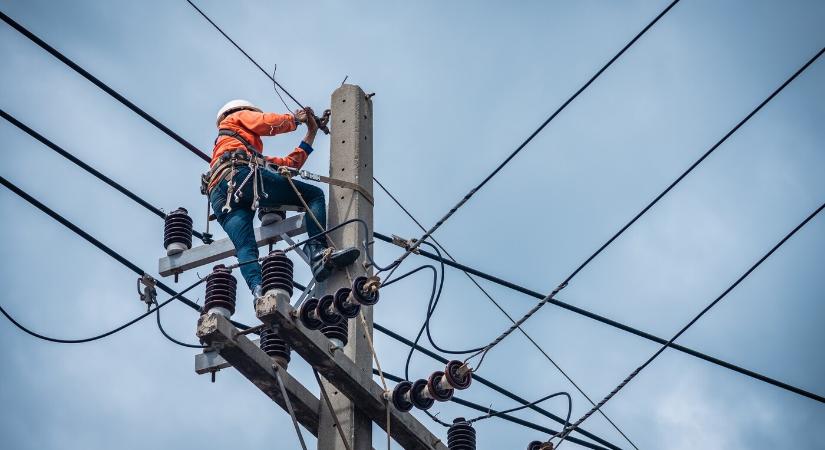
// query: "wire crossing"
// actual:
[[553, 301], [650, 205], [692, 321]]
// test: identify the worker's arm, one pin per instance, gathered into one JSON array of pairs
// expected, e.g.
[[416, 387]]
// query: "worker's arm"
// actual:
[[298, 157], [266, 124]]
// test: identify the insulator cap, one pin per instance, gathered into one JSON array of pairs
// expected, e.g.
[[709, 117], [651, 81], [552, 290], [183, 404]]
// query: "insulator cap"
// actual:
[[435, 390], [177, 231], [221, 288], [418, 397], [309, 305], [326, 311], [338, 331], [539, 445], [454, 376], [347, 309], [461, 435], [368, 298], [273, 345], [399, 396], [276, 272]]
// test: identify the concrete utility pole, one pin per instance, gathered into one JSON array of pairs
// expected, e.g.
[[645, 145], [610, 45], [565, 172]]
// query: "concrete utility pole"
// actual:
[[350, 160]]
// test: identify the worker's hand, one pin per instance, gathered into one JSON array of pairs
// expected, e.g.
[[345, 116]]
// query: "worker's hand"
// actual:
[[301, 115], [312, 124]]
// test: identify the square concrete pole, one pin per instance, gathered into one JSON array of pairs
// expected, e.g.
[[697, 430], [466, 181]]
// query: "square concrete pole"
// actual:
[[350, 160]]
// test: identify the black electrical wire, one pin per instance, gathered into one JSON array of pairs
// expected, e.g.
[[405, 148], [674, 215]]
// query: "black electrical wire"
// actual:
[[65, 60], [501, 415], [693, 320], [271, 77], [439, 258], [97, 174], [173, 340], [536, 402], [650, 205], [102, 335], [538, 130], [615, 324], [481, 380]]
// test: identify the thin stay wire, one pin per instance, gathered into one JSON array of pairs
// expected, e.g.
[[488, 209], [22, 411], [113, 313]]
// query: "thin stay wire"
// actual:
[[271, 77], [649, 205], [692, 321]]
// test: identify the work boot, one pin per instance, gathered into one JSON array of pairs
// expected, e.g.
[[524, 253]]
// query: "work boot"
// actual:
[[323, 264], [257, 293]]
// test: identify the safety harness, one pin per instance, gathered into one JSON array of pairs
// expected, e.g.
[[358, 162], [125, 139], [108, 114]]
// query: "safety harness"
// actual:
[[229, 161]]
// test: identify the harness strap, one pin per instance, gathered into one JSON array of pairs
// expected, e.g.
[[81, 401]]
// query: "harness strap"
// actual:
[[237, 136]]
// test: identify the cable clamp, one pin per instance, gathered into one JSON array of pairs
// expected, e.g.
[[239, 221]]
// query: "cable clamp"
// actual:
[[406, 244], [149, 294]]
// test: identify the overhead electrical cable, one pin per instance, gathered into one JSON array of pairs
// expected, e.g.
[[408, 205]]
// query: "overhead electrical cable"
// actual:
[[503, 415], [179, 296], [535, 344], [553, 301], [535, 133], [587, 261], [62, 152], [692, 321], [22, 30]]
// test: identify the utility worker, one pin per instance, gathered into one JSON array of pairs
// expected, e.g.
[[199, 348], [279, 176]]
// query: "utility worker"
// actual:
[[238, 184]]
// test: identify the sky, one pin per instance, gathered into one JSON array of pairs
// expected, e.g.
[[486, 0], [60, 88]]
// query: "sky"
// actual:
[[458, 86]]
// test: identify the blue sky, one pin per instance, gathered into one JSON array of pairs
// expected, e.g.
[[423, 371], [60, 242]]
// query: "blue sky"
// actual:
[[458, 85]]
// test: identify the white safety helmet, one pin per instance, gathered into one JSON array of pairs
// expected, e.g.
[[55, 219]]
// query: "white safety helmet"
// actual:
[[232, 106]]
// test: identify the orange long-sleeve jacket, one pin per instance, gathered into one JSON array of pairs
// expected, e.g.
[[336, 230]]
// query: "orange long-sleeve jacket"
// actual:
[[252, 125]]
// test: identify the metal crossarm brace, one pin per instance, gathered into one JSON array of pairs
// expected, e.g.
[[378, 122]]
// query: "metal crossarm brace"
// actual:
[[256, 366], [331, 362]]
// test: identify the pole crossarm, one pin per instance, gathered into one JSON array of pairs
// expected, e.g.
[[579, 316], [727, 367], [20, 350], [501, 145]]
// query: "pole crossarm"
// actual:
[[248, 359], [331, 362]]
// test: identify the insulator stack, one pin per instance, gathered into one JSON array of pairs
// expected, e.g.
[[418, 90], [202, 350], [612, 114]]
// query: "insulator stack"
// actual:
[[338, 333], [308, 314], [274, 346], [442, 385], [362, 294], [276, 271], [221, 288], [420, 396], [461, 435], [401, 396], [177, 231], [344, 304], [327, 312]]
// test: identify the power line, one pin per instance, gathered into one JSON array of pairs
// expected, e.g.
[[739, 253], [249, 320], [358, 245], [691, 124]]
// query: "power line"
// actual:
[[530, 138], [500, 414], [103, 86], [500, 308], [426, 326], [179, 296], [567, 306], [480, 379], [650, 205], [271, 77], [100, 176], [692, 321], [101, 246], [618, 325]]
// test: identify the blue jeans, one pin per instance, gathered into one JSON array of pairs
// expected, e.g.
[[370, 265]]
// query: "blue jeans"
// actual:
[[238, 222]]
